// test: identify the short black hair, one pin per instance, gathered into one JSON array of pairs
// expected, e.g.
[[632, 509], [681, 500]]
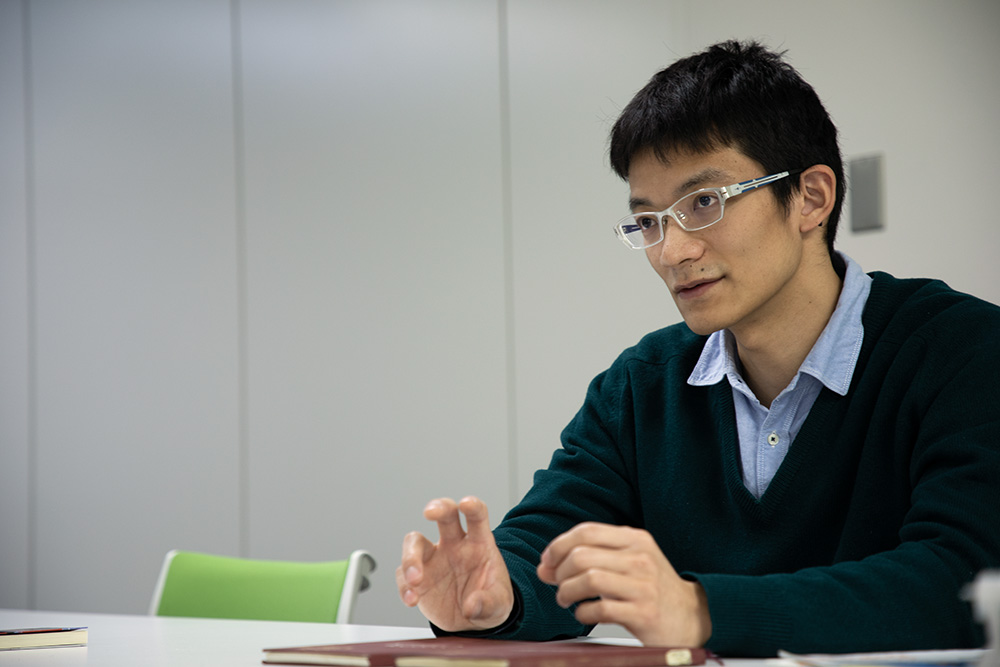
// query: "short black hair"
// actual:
[[733, 95]]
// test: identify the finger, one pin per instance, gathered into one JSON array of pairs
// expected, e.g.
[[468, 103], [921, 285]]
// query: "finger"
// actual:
[[472, 606], [589, 534], [593, 612], [406, 594], [477, 518], [585, 558], [603, 584], [445, 512], [416, 550], [486, 608]]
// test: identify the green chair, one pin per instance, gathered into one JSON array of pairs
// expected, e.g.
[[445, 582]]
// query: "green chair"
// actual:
[[209, 586]]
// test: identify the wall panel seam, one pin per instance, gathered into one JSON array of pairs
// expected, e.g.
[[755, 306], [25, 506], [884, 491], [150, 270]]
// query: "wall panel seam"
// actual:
[[506, 195], [239, 181], [32, 308]]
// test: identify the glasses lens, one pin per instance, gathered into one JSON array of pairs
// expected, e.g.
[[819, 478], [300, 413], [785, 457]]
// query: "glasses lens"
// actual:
[[699, 209], [641, 230]]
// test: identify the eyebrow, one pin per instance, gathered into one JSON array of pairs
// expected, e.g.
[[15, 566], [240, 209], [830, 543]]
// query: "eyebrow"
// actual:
[[695, 182], [701, 179]]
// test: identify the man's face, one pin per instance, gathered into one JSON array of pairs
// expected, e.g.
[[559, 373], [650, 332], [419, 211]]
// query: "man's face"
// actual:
[[737, 274]]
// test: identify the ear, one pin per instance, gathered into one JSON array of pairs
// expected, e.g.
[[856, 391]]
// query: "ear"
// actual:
[[817, 190]]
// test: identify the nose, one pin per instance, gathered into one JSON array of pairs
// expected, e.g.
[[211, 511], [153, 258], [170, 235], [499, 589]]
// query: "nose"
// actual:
[[678, 246]]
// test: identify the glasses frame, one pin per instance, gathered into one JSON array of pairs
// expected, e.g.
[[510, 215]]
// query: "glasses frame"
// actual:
[[724, 193]]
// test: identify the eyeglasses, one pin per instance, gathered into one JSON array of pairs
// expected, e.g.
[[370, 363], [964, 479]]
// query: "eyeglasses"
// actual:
[[697, 210]]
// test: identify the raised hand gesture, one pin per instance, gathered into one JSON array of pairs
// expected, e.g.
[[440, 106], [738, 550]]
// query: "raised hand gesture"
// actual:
[[461, 582]]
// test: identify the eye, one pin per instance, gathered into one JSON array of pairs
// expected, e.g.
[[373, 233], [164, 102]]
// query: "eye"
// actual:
[[647, 221], [705, 200]]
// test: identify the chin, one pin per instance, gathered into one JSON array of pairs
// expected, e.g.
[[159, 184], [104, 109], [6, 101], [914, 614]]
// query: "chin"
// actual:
[[703, 326]]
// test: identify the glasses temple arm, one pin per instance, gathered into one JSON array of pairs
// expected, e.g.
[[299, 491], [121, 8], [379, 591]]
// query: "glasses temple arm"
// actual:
[[733, 190]]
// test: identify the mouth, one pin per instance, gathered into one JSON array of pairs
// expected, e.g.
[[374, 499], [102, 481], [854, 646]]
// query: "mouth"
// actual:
[[695, 288]]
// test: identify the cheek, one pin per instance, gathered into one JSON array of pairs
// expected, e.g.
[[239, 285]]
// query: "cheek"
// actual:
[[769, 261], [766, 239], [653, 257]]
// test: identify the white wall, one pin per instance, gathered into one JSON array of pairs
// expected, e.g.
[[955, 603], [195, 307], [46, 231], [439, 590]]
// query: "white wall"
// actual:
[[273, 274], [16, 505]]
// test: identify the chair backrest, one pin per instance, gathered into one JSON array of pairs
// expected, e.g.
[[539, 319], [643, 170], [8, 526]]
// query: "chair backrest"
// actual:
[[209, 586]]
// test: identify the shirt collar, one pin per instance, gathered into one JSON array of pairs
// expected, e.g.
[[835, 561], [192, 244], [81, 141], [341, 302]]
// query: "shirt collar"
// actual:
[[832, 358]]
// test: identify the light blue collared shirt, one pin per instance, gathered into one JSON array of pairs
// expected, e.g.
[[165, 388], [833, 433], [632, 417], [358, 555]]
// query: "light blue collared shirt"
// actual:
[[764, 434]]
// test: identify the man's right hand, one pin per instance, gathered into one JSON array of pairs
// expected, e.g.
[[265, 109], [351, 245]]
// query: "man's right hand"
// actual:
[[461, 582]]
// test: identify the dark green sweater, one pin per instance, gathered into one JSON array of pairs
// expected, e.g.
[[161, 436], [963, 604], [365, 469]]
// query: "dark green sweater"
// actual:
[[886, 504]]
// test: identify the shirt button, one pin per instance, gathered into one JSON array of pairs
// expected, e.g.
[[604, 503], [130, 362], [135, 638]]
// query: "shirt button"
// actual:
[[773, 439]]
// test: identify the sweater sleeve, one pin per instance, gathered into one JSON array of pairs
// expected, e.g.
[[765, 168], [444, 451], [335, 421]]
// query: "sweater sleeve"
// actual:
[[588, 479]]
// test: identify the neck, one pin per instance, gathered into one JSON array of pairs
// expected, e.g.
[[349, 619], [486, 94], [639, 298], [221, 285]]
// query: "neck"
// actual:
[[772, 348]]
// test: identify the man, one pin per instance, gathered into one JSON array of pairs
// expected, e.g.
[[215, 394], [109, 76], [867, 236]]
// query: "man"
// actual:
[[810, 462]]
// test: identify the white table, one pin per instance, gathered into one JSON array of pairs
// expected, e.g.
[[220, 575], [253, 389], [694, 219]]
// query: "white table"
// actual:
[[141, 641], [138, 641]]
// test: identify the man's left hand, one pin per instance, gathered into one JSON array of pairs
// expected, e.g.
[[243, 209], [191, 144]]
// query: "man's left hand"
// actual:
[[619, 575]]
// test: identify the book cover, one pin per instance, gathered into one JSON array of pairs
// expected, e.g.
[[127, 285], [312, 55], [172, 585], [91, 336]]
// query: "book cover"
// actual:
[[24, 638], [476, 652]]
